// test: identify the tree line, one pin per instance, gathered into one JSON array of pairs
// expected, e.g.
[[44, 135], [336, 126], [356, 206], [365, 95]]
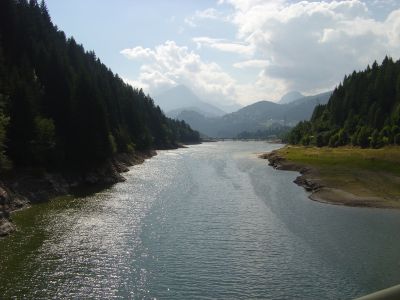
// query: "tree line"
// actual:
[[60, 106], [274, 131], [364, 110]]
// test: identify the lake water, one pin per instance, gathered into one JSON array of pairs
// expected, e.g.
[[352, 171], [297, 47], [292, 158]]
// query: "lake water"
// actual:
[[211, 221]]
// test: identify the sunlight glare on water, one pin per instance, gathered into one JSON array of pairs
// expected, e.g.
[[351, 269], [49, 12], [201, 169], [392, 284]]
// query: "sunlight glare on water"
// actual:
[[210, 221]]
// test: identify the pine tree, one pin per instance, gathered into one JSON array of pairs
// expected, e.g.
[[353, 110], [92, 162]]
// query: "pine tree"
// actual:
[[59, 103], [366, 103]]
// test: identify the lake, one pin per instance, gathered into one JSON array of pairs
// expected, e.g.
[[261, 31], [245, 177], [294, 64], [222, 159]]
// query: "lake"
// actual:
[[210, 221]]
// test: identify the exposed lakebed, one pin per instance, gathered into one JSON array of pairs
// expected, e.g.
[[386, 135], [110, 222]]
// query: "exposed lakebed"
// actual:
[[212, 220]]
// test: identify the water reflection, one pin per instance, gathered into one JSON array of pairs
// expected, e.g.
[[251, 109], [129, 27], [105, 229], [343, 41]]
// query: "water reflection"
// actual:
[[212, 221]]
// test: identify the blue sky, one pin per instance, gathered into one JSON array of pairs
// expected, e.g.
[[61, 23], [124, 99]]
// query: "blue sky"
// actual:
[[233, 51]]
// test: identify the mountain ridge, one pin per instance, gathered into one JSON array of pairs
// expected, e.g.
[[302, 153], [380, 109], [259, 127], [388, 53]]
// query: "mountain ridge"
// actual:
[[290, 97], [180, 97], [256, 116]]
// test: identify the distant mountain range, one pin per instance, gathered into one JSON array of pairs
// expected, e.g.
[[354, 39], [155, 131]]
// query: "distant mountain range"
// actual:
[[257, 116], [180, 98]]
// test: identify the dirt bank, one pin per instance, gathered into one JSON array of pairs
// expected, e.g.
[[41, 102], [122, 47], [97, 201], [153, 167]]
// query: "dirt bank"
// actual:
[[320, 190], [24, 187]]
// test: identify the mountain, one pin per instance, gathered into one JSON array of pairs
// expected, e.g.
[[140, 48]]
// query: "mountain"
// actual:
[[302, 108], [290, 97], [254, 117], [229, 108], [180, 98], [364, 110], [61, 107]]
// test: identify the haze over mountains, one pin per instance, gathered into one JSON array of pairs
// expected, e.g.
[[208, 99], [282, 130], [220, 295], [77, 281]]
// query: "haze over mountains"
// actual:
[[180, 98], [290, 97], [182, 104]]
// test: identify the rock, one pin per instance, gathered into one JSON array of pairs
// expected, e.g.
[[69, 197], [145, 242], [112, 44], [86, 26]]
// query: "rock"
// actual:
[[279, 163], [18, 202], [6, 227], [120, 167], [27, 186], [307, 184]]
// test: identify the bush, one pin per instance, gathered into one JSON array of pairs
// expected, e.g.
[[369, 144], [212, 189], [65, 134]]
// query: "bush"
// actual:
[[343, 138], [363, 137], [387, 132], [397, 139], [376, 140], [305, 141], [319, 140], [334, 140]]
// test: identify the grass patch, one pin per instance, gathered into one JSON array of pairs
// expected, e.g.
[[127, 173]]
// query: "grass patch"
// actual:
[[363, 172]]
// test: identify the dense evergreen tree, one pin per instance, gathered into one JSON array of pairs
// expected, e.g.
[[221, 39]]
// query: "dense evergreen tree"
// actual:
[[272, 132], [364, 110], [60, 106]]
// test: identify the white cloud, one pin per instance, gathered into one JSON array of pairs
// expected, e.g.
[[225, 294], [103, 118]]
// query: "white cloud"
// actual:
[[137, 53], [305, 45], [190, 22], [252, 63], [262, 88], [223, 45], [169, 64], [209, 13], [311, 45], [135, 83]]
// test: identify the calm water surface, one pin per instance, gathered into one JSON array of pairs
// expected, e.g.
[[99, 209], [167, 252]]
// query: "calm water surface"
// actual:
[[210, 221]]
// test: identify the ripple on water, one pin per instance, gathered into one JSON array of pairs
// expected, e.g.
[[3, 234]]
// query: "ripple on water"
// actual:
[[211, 221]]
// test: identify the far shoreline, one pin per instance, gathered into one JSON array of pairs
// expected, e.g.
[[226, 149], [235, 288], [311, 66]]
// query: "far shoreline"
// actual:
[[320, 189]]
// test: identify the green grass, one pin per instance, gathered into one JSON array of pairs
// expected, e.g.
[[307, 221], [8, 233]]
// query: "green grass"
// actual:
[[363, 172]]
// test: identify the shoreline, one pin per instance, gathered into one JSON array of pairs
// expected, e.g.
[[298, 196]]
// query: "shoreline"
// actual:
[[319, 191], [27, 187]]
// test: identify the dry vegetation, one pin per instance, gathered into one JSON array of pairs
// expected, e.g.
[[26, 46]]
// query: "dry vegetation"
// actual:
[[371, 175]]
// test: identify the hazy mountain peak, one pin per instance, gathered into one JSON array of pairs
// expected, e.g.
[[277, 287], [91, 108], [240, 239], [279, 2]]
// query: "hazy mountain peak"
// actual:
[[181, 89], [256, 116], [181, 98], [290, 97]]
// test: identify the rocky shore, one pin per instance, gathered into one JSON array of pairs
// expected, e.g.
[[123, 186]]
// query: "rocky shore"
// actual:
[[24, 187], [310, 180], [306, 180]]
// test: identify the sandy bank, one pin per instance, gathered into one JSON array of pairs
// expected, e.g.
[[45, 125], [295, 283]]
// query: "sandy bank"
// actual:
[[320, 190]]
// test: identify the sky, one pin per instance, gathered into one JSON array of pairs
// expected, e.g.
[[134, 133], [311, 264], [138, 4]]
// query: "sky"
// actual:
[[233, 51]]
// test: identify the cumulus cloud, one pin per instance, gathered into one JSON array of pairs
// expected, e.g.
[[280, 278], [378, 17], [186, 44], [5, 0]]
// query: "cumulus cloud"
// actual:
[[209, 13], [137, 53], [168, 65], [311, 45], [288, 45], [262, 88], [252, 63], [223, 45]]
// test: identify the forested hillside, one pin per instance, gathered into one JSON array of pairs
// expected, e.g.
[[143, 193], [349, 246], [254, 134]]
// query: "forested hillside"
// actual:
[[364, 110], [60, 106], [255, 119]]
